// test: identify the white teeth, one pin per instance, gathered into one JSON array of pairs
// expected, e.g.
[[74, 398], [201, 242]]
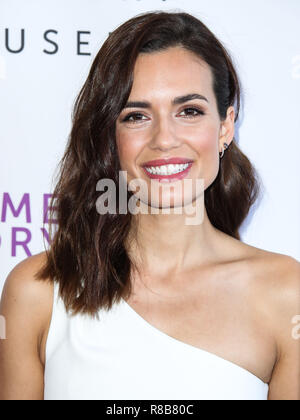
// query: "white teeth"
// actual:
[[167, 169]]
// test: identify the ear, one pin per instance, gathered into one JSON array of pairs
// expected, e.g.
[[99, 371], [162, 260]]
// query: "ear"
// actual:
[[227, 128]]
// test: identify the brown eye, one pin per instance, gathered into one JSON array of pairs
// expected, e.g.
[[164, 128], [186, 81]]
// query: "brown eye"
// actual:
[[192, 112], [136, 117]]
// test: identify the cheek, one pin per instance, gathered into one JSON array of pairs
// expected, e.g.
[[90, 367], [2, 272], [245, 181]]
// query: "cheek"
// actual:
[[205, 144], [128, 150], [205, 140]]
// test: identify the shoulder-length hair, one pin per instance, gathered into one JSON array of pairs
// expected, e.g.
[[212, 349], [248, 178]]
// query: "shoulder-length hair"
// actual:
[[87, 255]]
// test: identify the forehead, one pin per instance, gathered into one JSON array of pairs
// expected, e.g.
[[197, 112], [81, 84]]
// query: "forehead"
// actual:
[[174, 70]]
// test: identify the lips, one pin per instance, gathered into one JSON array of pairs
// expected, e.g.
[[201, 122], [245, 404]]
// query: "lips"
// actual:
[[169, 178], [178, 169], [160, 162]]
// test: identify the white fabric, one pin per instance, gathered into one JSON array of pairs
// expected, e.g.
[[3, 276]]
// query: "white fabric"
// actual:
[[122, 356]]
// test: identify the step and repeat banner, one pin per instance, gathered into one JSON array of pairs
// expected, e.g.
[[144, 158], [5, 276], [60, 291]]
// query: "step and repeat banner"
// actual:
[[46, 49]]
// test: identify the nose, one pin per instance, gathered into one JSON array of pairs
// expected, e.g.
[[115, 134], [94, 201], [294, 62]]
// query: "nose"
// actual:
[[164, 135]]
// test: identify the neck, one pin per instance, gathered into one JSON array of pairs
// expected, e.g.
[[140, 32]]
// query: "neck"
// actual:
[[164, 244]]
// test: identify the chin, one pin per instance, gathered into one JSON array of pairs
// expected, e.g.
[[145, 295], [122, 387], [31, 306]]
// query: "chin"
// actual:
[[168, 202]]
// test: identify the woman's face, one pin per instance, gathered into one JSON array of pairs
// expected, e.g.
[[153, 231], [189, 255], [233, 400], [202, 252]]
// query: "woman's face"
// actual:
[[164, 128]]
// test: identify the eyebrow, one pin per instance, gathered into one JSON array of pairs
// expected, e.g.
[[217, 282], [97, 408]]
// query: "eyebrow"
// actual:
[[176, 101]]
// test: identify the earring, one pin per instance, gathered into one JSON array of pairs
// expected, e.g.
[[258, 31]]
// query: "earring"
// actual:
[[225, 147]]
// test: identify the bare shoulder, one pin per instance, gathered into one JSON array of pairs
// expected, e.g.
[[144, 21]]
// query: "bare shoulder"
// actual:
[[274, 277], [22, 285], [24, 294], [276, 284], [266, 273], [279, 277], [26, 305], [279, 273], [273, 281]]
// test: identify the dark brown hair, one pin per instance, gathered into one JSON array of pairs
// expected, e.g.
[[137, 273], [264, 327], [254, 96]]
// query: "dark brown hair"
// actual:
[[87, 255]]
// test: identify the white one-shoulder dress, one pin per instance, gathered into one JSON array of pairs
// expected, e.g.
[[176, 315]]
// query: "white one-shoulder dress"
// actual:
[[121, 356]]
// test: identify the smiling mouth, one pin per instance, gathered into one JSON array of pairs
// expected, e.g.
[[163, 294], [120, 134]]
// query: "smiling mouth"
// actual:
[[167, 173]]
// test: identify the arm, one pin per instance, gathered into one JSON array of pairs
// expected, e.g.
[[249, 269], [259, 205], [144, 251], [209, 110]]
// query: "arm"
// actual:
[[285, 381], [25, 306]]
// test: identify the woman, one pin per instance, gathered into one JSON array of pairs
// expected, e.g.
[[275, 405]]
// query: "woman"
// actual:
[[137, 305]]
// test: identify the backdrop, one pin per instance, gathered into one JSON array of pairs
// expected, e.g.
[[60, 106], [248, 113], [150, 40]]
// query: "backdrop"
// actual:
[[46, 49]]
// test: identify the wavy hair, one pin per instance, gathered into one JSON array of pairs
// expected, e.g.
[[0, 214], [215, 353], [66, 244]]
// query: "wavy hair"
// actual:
[[87, 254]]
